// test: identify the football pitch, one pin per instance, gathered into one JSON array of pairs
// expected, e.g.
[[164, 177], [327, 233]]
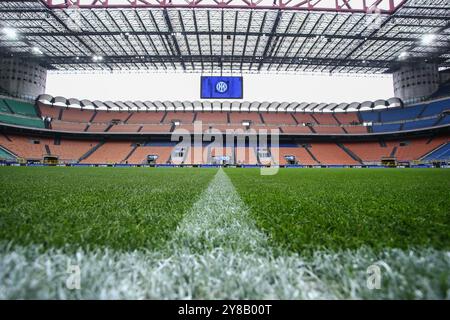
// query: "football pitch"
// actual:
[[198, 233]]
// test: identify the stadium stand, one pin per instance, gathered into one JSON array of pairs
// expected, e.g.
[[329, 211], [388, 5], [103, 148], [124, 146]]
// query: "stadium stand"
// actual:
[[239, 117], [212, 117], [20, 107], [441, 154], [146, 117], [386, 127], [110, 152], [22, 121], [77, 115], [68, 126], [139, 156], [278, 118], [245, 155], [369, 152], [330, 154], [49, 111], [106, 117], [347, 118], [125, 128], [73, 121], [183, 117], [97, 127], [325, 119], [302, 157], [6, 155]]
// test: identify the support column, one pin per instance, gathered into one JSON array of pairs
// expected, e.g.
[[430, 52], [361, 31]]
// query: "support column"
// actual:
[[21, 78], [416, 82]]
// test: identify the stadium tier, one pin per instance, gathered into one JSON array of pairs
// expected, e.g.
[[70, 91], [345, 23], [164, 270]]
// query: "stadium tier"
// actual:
[[310, 134]]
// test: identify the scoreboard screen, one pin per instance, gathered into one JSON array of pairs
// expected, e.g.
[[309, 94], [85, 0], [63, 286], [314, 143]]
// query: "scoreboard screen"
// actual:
[[221, 88]]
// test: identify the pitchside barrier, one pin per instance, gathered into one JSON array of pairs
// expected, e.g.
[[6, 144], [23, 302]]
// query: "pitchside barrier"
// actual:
[[422, 165]]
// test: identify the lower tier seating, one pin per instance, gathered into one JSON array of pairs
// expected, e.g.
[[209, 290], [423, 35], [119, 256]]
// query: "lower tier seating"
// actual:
[[137, 152]]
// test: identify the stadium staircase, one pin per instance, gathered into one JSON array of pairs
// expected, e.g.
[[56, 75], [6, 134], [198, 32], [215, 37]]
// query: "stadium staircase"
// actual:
[[91, 151], [60, 114], [6, 154], [311, 154], [109, 127], [350, 153], [394, 152], [130, 153]]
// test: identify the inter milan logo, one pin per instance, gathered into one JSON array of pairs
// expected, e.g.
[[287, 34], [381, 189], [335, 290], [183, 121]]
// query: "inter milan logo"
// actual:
[[221, 86]]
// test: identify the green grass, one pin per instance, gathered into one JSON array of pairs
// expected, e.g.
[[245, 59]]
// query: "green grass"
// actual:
[[169, 233], [309, 209], [123, 209]]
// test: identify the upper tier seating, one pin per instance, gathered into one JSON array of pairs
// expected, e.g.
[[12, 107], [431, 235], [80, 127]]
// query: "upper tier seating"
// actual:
[[355, 129], [329, 130], [183, 117], [325, 119], [77, 115], [146, 117], [386, 128], [347, 118], [419, 124], [87, 120], [399, 114], [97, 127], [68, 126], [125, 128], [22, 108], [278, 118], [212, 117], [22, 121], [103, 116], [297, 129], [4, 107], [435, 108], [239, 117], [49, 111], [304, 118]]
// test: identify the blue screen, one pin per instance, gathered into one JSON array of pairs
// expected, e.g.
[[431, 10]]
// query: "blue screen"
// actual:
[[221, 88]]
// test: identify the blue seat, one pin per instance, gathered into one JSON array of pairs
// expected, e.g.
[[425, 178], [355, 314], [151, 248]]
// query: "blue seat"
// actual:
[[436, 108], [443, 153], [400, 114], [419, 124], [386, 128]]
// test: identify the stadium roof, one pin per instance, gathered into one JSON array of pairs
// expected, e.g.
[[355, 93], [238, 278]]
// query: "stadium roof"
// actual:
[[237, 106], [293, 36]]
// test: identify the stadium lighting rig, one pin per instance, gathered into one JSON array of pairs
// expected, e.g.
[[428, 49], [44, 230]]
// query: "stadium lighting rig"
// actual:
[[10, 33], [428, 39]]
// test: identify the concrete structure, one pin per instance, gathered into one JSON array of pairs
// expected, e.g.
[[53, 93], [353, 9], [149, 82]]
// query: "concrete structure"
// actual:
[[21, 78], [416, 82]]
